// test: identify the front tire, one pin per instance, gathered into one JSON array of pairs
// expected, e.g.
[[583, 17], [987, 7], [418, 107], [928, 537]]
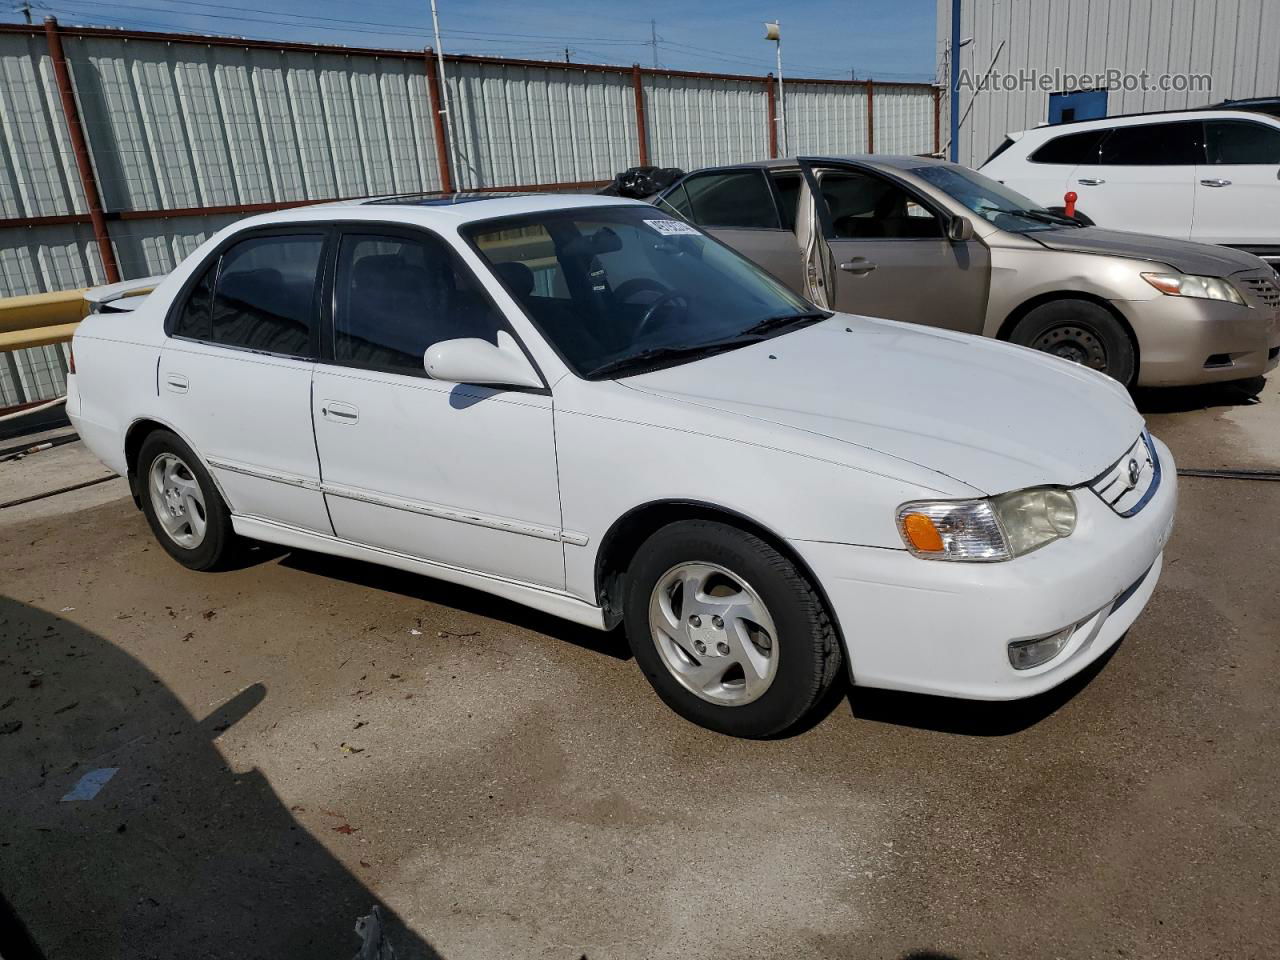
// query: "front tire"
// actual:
[[1080, 331], [181, 503], [729, 632]]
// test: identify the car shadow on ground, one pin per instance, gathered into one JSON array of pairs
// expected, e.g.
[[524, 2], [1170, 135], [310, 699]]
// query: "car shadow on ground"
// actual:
[[1236, 393], [177, 855], [970, 718], [430, 590]]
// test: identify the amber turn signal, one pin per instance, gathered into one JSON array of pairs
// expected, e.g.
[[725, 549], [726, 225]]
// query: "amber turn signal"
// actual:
[[922, 533]]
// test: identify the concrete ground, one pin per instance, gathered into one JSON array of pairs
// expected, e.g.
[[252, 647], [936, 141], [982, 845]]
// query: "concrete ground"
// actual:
[[302, 738]]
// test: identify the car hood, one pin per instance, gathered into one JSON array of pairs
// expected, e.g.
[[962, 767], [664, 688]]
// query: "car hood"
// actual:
[[1201, 259], [993, 416]]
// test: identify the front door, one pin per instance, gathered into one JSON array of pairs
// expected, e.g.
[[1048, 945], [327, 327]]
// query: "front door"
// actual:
[[461, 475], [235, 375], [888, 254], [1238, 189]]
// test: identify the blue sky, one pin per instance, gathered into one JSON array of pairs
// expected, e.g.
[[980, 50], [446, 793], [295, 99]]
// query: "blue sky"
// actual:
[[885, 39]]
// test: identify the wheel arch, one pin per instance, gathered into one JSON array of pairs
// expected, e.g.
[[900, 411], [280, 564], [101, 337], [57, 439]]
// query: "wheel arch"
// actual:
[[1053, 296], [624, 538], [134, 438]]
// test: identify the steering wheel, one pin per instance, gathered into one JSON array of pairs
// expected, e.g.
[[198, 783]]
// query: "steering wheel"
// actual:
[[629, 288], [648, 320]]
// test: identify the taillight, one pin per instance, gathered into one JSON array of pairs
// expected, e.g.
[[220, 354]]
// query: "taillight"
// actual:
[[71, 359]]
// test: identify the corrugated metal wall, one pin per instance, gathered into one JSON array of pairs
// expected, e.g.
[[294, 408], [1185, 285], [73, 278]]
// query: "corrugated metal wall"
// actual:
[[1234, 41], [175, 124]]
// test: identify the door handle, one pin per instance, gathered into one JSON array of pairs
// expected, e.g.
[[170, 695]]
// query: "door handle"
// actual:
[[1216, 182], [858, 266], [176, 382], [1090, 181], [339, 412]]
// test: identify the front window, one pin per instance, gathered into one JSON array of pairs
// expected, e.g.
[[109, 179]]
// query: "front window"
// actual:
[[620, 289], [994, 202]]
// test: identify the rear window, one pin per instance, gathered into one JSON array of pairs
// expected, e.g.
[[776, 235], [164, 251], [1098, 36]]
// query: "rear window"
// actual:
[[1072, 148], [1008, 142], [1154, 145], [259, 293], [736, 198]]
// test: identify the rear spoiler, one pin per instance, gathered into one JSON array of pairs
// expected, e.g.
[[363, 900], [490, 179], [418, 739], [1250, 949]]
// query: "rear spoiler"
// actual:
[[120, 297]]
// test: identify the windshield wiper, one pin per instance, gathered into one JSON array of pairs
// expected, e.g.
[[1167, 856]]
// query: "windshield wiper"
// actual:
[[1043, 216], [657, 354], [752, 334], [769, 324]]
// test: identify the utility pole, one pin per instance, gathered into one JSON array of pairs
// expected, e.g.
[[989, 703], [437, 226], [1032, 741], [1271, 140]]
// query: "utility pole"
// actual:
[[653, 41], [566, 54], [26, 10], [444, 96]]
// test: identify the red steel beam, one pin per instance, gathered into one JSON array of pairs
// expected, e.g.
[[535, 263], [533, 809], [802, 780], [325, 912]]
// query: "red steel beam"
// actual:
[[437, 120], [642, 132], [871, 116], [84, 166], [247, 209]]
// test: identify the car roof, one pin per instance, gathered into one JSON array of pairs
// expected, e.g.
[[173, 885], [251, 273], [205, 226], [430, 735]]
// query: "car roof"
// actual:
[[453, 210], [900, 161], [1135, 119]]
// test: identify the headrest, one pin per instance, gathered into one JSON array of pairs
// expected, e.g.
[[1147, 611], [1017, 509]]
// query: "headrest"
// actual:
[[517, 276]]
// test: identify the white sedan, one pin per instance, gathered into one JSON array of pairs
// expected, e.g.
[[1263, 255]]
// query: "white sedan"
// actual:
[[584, 406]]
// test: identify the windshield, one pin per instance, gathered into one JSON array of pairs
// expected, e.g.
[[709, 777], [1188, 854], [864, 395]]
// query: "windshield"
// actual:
[[620, 289], [1007, 209]]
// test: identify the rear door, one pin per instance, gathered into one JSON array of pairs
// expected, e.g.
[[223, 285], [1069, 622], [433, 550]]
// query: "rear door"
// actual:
[[1047, 174], [739, 207], [1144, 178], [1237, 192], [235, 373], [889, 255]]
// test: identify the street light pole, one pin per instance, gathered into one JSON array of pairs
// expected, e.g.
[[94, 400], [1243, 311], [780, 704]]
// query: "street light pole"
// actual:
[[444, 97], [773, 31]]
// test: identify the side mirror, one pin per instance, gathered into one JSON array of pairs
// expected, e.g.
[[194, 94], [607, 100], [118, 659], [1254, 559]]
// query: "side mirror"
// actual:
[[472, 360], [960, 230]]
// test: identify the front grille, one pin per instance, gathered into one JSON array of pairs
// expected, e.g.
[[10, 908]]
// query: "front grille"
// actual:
[[1129, 484], [1264, 289]]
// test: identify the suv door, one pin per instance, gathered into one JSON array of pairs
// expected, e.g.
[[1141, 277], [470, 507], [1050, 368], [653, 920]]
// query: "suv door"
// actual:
[[739, 207], [235, 373], [1144, 178], [887, 253], [1238, 187], [456, 474]]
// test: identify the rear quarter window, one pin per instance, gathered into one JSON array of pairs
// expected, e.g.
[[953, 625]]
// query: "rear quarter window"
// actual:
[[1071, 148]]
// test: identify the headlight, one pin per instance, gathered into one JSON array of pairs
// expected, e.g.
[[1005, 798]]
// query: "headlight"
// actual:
[[997, 528], [1186, 285]]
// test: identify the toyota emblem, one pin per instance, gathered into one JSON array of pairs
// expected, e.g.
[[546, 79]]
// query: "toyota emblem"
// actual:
[[1135, 471]]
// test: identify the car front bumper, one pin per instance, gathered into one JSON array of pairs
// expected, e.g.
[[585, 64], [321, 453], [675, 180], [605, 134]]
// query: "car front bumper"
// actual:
[[1177, 336], [937, 627]]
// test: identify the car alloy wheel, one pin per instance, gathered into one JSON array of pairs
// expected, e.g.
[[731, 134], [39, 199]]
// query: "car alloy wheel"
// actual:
[[177, 500], [714, 633]]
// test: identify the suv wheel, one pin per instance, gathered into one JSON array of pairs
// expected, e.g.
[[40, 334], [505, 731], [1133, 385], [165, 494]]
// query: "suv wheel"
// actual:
[[731, 635], [181, 504], [1082, 332]]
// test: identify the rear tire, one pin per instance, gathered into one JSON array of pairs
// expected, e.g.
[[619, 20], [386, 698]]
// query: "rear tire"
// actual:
[[1080, 331], [182, 506], [729, 632]]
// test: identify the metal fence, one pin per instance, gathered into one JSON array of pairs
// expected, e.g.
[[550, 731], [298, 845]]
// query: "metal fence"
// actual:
[[122, 151]]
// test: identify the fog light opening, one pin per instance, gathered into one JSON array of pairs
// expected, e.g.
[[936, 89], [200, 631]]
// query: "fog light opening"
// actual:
[[1025, 654]]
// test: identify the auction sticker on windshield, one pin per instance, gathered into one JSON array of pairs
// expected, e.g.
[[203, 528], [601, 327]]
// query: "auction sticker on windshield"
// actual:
[[672, 228]]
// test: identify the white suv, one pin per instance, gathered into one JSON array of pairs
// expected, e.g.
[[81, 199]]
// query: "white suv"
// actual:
[[1211, 175]]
